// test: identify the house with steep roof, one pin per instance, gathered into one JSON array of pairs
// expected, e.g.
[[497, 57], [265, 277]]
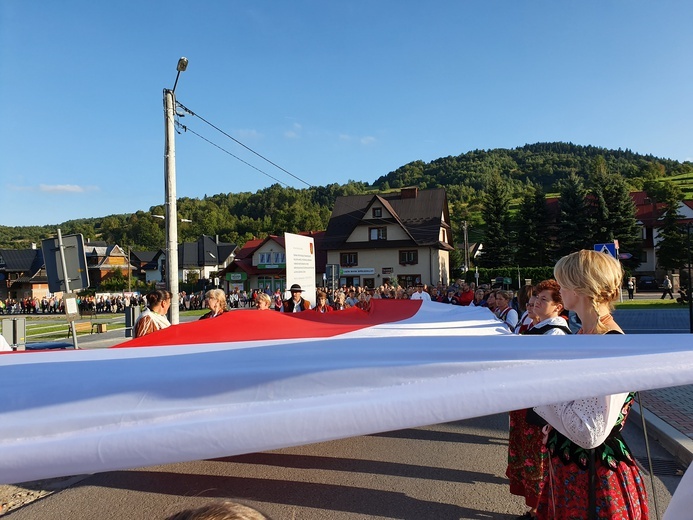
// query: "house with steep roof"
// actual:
[[22, 274], [404, 236], [205, 258], [103, 260], [148, 265], [261, 263]]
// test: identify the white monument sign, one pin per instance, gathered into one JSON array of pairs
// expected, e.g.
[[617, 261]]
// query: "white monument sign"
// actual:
[[300, 264]]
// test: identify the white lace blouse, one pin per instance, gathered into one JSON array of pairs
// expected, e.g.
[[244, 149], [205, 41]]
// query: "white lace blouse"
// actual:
[[586, 422]]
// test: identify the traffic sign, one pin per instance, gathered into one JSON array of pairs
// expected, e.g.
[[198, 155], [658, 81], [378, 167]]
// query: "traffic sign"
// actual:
[[609, 249], [75, 263], [331, 276]]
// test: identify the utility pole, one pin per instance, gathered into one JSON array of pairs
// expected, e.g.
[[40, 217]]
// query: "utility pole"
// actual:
[[171, 202], [690, 280], [129, 271], [466, 246]]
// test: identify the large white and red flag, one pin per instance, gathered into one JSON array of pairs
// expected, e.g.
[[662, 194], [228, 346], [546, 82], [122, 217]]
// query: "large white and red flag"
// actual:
[[251, 380]]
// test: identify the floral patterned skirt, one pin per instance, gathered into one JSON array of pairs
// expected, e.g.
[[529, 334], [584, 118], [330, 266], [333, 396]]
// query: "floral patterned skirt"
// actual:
[[527, 458], [621, 493]]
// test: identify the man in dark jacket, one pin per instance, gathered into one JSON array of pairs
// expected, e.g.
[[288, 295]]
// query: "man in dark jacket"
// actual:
[[296, 303]]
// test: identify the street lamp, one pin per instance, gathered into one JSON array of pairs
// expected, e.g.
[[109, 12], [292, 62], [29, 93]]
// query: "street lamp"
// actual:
[[162, 217], [170, 189]]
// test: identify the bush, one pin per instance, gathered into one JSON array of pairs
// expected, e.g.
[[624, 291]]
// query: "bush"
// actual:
[[488, 275]]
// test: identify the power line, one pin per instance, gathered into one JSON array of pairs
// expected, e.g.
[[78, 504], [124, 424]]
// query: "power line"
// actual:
[[187, 129], [241, 144]]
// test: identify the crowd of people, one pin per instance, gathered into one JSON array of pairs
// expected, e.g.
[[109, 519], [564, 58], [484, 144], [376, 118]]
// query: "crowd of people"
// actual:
[[90, 304], [567, 460], [33, 305], [502, 302]]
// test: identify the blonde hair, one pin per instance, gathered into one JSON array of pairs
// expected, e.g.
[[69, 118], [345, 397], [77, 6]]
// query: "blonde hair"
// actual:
[[264, 297], [506, 295], [220, 511], [218, 295], [595, 275]]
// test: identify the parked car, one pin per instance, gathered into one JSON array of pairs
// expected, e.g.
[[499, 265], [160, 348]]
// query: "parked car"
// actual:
[[648, 283]]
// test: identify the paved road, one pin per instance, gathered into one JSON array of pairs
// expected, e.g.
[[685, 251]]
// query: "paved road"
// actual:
[[453, 470], [448, 471]]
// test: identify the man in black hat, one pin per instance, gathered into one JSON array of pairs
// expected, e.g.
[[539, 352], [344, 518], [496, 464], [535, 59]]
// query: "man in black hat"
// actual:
[[296, 303]]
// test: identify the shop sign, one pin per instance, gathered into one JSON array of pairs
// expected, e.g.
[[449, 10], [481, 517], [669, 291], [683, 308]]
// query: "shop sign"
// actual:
[[357, 271]]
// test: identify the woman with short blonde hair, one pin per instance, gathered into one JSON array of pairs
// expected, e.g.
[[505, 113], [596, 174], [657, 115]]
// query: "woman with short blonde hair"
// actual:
[[263, 301], [216, 301]]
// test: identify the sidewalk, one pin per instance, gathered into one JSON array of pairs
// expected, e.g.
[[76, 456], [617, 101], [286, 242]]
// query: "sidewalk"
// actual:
[[668, 411]]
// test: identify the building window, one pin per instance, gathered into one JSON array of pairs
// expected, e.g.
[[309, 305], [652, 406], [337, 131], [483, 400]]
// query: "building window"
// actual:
[[279, 258], [377, 233], [377, 212], [409, 280], [348, 259], [408, 257], [265, 258]]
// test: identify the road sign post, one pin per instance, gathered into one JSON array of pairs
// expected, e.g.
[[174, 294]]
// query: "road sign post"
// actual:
[[66, 270], [608, 248]]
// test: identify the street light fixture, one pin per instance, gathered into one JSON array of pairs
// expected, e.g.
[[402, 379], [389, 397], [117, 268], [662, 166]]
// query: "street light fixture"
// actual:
[[170, 189], [162, 217]]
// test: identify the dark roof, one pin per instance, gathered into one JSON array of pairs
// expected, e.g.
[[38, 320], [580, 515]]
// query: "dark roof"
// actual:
[[419, 212], [21, 260], [144, 256], [205, 252], [146, 260]]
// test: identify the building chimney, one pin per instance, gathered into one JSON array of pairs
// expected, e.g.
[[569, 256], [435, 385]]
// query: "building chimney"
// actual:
[[409, 193]]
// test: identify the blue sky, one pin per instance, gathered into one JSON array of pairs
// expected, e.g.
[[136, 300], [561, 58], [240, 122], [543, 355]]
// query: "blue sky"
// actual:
[[330, 91]]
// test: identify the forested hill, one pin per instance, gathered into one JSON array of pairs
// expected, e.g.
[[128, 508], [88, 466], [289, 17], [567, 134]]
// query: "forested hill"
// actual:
[[542, 163], [238, 217]]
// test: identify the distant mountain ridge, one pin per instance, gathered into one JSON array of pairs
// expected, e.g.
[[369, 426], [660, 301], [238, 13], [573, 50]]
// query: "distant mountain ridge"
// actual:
[[542, 163], [275, 209]]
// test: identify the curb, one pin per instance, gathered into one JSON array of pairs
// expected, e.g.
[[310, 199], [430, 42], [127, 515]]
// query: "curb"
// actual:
[[675, 442]]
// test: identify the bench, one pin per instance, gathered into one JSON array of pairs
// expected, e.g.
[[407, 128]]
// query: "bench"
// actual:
[[80, 326]]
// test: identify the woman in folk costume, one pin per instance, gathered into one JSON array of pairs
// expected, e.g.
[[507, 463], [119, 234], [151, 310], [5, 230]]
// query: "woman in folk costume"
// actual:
[[154, 316], [592, 472], [529, 318], [504, 311], [527, 454]]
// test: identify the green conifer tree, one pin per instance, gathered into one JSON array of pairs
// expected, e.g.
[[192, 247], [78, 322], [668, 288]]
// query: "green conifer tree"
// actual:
[[533, 231], [671, 240], [497, 247], [575, 219]]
